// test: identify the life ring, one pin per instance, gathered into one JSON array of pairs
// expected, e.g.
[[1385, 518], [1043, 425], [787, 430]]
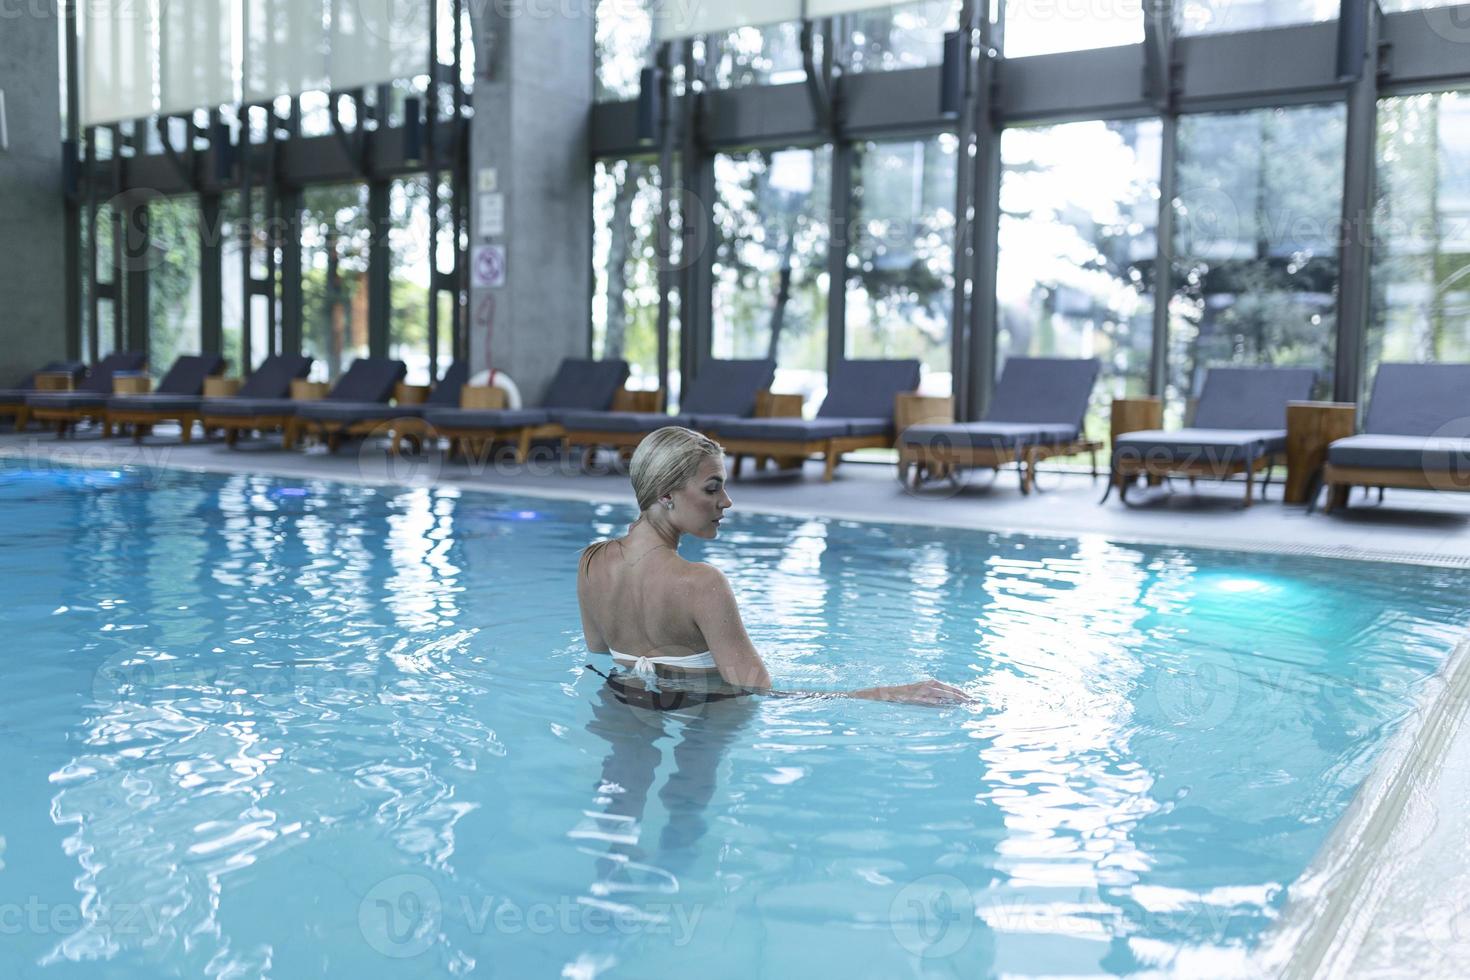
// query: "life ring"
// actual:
[[501, 380]]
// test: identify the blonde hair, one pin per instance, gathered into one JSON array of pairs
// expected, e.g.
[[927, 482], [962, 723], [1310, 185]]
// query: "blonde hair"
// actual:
[[666, 460]]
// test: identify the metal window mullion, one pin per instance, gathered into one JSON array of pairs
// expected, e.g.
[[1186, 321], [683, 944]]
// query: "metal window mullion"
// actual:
[[844, 159], [985, 232], [963, 221], [663, 232], [1158, 362], [1355, 259]]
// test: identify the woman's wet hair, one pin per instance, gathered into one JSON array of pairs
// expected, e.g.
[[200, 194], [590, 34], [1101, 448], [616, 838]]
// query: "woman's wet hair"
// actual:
[[663, 463], [668, 459]]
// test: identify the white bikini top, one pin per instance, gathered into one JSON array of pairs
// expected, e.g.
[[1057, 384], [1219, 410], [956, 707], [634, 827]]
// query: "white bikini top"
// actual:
[[643, 666]]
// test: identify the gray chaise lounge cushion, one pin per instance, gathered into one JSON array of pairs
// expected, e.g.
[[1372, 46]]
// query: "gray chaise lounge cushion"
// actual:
[[1389, 452], [181, 389], [1251, 398], [1212, 446], [989, 435], [723, 390], [579, 385], [784, 429], [727, 388], [866, 389], [27, 385], [369, 379], [486, 418], [1038, 401], [1419, 399], [269, 383], [585, 385], [619, 421], [95, 389], [445, 394]]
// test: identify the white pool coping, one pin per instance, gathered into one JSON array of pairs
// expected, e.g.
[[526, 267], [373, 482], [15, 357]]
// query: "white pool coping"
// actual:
[[1387, 896]]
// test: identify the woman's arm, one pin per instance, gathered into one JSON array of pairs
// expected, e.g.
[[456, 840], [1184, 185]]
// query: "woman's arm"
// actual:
[[718, 617]]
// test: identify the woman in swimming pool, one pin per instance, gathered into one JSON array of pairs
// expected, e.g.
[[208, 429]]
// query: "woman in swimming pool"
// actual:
[[665, 617]]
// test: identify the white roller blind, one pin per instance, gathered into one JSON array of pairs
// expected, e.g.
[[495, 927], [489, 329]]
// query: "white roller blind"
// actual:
[[195, 66], [683, 18], [117, 69], [286, 47], [376, 41]]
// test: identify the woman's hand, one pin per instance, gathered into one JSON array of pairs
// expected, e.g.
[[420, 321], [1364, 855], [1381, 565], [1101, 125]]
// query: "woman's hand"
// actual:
[[930, 692]]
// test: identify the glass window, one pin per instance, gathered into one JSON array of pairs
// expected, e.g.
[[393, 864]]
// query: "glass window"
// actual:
[[1049, 26], [900, 264], [1079, 207], [1256, 228], [1421, 268], [770, 263], [907, 35], [173, 281], [232, 284], [408, 246], [625, 213], [1223, 16], [334, 245], [624, 46], [757, 56]]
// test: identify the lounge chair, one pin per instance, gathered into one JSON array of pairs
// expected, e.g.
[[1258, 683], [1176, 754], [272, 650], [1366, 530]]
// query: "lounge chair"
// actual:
[[579, 385], [336, 419], [856, 414], [1416, 435], [1239, 427], [369, 379], [721, 391], [89, 399], [176, 398], [13, 400], [1037, 411]]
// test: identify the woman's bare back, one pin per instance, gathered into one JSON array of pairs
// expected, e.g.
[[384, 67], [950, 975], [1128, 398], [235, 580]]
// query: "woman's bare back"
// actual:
[[639, 603]]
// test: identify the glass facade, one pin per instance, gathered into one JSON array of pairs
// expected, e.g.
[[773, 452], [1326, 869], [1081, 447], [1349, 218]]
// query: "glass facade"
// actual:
[[175, 232], [1257, 222], [625, 267], [1079, 209], [906, 35], [1222, 16], [1421, 270], [408, 241], [335, 236], [1052, 26], [771, 234], [900, 263]]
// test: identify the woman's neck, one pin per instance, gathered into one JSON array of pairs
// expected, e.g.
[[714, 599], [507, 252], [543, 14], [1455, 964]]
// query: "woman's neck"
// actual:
[[650, 532]]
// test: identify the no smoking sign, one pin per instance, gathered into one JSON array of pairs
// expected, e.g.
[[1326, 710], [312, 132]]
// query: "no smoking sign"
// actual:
[[487, 267]]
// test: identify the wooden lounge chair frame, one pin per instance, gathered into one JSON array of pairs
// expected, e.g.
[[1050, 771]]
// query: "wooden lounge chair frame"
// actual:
[[20, 414], [131, 382], [233, 425], [143, 420], [1340, 481], [333, 432], [624, 442], [789, 453]]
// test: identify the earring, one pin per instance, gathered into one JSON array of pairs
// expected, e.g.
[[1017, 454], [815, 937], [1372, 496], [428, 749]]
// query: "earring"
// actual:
[[669, 504]]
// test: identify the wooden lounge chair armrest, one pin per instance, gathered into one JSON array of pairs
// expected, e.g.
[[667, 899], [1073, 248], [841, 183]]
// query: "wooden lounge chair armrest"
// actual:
[[221, 387], [484, 397], [629, 400], [769, 405], [410, 394], [911, 409], [309, 391], [54, 381], [1135, 415], [131, 383]]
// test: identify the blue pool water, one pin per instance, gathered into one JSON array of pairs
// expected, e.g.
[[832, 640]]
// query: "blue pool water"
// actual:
[[258, 727]]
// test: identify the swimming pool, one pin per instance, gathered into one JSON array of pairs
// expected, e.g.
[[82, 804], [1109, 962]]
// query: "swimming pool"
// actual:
[[254, 726]]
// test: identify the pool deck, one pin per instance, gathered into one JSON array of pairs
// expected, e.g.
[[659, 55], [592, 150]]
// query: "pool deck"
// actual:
[[1412, 526], [1402, 906]]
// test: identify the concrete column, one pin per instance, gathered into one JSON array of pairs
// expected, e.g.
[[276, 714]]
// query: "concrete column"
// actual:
[[33, 277], [530, 187]]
